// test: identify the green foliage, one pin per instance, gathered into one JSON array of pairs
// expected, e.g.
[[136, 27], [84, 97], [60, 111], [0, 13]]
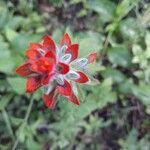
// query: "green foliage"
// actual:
[[5, 100], [6, 61], [125, 7], [71, 120], [114, 74], [18, 84], [130, 29], [119, 56], [21, 42], [132, 143], [103, 7], [92, 42], [116, 101]]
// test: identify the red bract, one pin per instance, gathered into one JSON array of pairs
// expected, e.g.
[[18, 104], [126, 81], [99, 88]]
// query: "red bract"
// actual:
[[56, 69]]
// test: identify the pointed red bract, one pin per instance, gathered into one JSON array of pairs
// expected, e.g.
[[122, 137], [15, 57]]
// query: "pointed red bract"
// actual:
[[73, 98], [35, 46], [83, 77], [63, 68], [24, 70], [73, 50], [49, 99], [33, 54], [47, 78], [65, 89], [49, 43], [92, 57], [33, 83], [43, 65], [66, 40], [51, 55]]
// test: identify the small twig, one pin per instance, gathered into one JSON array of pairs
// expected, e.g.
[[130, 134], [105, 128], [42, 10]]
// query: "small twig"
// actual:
[[24, 122]]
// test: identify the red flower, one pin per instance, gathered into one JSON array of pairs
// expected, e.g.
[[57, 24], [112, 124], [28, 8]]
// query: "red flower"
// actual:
[[56, 69]]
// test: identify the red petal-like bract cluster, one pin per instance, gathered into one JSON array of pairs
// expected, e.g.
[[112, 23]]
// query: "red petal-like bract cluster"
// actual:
[[56, 69]]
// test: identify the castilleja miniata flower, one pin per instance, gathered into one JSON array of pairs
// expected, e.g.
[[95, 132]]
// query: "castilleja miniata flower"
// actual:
[[57, 69]]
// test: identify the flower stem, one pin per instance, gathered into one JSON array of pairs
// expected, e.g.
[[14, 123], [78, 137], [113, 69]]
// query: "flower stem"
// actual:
[[24, 122], [29, 109], [81, 93], [106, 45]]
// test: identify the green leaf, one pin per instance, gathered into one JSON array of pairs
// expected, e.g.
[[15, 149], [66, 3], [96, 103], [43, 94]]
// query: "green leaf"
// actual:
[[6, 61], [130, 29], [14, 22], [114, 74], [89, 42], [105, 8], [95, 67], [18, 84], [3, 16], [16, 121], [147, 39], [119, 56], [33, 21], [124, 7], [143, 93], [10, 34], [131, 142], [22, 41], [5, 100], [35, 145], [127, 86], [57, 34]]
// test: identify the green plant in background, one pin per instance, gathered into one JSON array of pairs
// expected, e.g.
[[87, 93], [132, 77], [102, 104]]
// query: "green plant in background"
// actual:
[[114, 113], [131, 142]]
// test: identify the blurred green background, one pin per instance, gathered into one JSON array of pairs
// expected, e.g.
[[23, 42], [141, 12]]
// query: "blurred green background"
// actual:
[[114, 113]]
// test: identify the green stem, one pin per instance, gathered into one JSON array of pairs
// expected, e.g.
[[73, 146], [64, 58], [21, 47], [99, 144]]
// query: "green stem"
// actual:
[[107, 40], [29, 109], [81, 93], [8, 124], [24, 122]]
